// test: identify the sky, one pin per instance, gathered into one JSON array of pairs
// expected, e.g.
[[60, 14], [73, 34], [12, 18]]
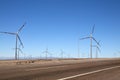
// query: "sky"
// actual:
[[58, 24]]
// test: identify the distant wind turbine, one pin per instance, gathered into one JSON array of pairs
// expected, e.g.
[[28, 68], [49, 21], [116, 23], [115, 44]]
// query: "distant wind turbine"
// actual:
[[97, 49], [19, 51], [62, 52], [91, 38], [17, 38], [46, 53]]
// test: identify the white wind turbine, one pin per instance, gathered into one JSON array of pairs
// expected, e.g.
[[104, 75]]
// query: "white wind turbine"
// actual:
[[97, 49], [18, 52], [46, 53], [91, 38], [62, 53], [16, 34]]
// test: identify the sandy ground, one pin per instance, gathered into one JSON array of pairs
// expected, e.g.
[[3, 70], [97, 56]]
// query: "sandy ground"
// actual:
[[49, 61], [51, 69]]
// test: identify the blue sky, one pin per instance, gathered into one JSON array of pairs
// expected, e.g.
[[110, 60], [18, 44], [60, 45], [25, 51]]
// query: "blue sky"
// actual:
[[57, 24]]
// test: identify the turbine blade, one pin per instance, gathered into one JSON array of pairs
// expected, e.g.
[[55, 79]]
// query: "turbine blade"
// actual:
[[20, 41], [95, 40], [84, 38], [93, 29], [98, 49], [8, 33], [20, 50], [21, 27], [99, 43]]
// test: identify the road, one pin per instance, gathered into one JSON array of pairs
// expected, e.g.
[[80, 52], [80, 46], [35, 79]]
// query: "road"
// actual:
[[91, 70]]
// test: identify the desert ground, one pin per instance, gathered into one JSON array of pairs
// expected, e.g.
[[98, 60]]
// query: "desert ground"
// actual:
[[60, 69]]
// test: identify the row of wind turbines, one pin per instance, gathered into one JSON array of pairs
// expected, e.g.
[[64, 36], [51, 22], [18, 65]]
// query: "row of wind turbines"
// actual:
[[18, 48], [62, 54]]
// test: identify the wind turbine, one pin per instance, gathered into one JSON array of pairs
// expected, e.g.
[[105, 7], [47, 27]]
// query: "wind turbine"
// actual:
[[91, 38], [17, 38], [62, 52], [97, 49], [18, 51], [46, 53]]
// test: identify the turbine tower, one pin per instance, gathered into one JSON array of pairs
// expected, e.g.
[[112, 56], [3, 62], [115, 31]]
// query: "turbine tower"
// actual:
[[97, 49], [91, 38], [16, 34]]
